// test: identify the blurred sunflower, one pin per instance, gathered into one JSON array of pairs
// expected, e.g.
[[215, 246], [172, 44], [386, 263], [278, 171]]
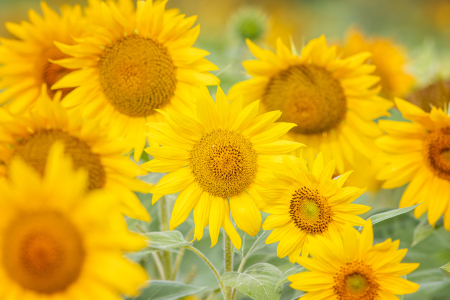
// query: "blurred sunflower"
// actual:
[[418, 152], [217, 153], [27, 63], [305, 204], [330, 99], [60, 242], [134, 64], [389, 58], [30, 136], [354, 269]]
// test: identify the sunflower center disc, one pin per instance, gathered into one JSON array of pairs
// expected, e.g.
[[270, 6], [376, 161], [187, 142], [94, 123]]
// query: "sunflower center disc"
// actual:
[[51, 73], [310, 211], [43, 252], [437, 152], [137, 75], [355, 281], [34, 151], [223, 163], [308, 96]]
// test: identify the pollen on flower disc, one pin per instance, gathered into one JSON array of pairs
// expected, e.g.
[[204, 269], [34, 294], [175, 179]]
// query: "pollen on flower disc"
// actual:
[[224, 163], [437, 152], [43, 252], [35, 148], [308, 96], [137, 75], [310, 211], [355, 281]]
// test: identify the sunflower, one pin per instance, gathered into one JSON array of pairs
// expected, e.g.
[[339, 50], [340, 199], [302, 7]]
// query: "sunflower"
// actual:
[[216, 153], [389, 58], [30, 136], [330, 99], [352, 268], [305, 204], [436, 94], [59, 242], [26, 63], [418, 152], [133, 64]]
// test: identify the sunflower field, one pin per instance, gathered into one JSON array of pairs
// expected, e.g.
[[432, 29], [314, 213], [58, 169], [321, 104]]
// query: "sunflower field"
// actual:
[[224, 150]]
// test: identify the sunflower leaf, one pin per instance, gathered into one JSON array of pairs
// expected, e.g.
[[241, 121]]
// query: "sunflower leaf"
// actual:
[[167, 290], [446, 267], [165, 240], [291, 271], [259, 244], [390, 214], [257, 282], [422, 231]]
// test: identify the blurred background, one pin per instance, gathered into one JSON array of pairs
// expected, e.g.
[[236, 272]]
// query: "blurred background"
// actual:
[[421, 28]]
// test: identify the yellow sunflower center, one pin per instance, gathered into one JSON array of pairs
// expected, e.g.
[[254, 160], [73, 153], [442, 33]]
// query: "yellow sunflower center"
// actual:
[[310, 211], [355, 281], [51, 73], [308, 96], [43, 252], [137, 75], [223, 163], [437, 152], [35, 148]]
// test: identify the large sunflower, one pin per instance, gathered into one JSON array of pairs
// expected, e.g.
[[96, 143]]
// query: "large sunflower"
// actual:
[[59, 242], [305, 204], [30, 136], [389, 58], [330, 99], [134, 64], [26, 63], [352, 268], [217, 153], [418, 152]]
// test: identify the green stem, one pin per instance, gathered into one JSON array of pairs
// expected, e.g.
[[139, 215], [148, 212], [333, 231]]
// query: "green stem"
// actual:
[[228, 262], [180, 256], [211, 266], [164, 222], [159, 266]]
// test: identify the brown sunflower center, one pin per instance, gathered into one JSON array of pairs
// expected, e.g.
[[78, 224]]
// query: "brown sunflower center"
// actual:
[[308, 96], [355, 281], [51, 73], [43, 252], [310, 211], [35, 148], [437, 152], [224, 163], [137, 75]]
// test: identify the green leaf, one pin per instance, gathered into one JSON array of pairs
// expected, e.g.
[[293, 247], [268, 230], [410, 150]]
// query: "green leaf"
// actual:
[[259, 244], [446, 267], [390, 214], [165, 240], [422, 231], [257, 282], [167, 290], [291, 271]]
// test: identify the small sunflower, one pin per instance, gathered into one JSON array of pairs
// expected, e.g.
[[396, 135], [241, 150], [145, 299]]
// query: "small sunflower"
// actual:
[[305, 204], [59, 242], [330, 99], [389, 58], [354, 269], [30, 136], [133, 64], [27, 63], [418, 152], [217, 153]]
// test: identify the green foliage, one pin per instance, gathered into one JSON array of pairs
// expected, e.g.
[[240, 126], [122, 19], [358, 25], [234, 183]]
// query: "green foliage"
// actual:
[[294, 270], [167, 290], [258, 281]]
